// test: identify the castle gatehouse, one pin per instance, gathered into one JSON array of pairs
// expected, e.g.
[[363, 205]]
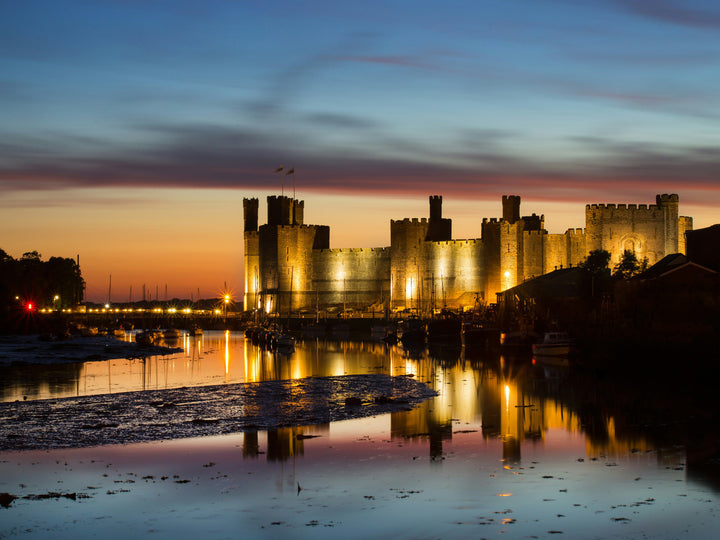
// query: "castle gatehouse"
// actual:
[[290, 268]]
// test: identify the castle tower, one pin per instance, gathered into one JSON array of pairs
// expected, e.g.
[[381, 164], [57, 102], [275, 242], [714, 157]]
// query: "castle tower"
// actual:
[[250, 211], [280, 210], [298, 212], [407, 267], [669, 204], [439, 229], [511, 208], [435, 207], [252, 254]]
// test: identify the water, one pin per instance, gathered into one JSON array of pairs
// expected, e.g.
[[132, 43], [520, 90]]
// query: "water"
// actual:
[[508, 448]]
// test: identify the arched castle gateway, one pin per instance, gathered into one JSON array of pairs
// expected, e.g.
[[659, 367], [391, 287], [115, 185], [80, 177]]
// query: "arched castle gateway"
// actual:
[[289, 266]]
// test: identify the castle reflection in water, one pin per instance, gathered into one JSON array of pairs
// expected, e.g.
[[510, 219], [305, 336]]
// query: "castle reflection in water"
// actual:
[[496, 400]]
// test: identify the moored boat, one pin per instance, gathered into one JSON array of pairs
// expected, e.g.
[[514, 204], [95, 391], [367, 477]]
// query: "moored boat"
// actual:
[[149, 337], [284, 341], [414, 332], [554, 344], [172, 334]]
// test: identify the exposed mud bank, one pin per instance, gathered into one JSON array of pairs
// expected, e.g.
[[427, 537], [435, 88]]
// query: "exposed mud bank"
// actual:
[[210, 410]]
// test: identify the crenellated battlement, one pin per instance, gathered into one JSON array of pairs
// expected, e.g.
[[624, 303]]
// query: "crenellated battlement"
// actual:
[[666, 198], [512, 249], [369, 250], [458, 242], [621, 206], [303, 226], [408, 221]]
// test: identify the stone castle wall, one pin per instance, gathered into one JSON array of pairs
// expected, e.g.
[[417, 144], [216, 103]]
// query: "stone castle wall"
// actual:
[[685, 224], [352, 278], [639, 228], [454, 273], [252, 269], [289, 266], [511, 254], [491, 240], [533, 254], [407, 261]]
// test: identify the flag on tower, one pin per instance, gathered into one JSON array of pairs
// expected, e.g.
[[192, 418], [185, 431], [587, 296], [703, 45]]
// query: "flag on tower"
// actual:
[[291, 171], [280, 168]]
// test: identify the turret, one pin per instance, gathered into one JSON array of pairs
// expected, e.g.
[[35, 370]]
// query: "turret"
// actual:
[[298, 212], [670, 207], [439, 229], [435, 207], [280, 210], [511, 208], [250, 211]]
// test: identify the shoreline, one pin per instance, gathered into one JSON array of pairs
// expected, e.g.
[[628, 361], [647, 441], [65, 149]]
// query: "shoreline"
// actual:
[[30, 349], [152, 415]]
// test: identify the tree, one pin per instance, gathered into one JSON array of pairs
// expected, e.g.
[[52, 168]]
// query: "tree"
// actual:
[[629, 265], [597, 262]]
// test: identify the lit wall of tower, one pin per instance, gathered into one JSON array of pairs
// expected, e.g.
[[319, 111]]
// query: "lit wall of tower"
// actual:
[[407, 249], [251, 265]]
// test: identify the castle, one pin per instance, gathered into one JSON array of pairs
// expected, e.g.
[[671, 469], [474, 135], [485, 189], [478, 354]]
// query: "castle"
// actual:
[[290, 268]]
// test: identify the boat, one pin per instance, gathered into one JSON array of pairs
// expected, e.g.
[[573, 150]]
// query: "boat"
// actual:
[[413, 332], [378, 332], [445, 328], [195, 331], [149, 337], [475, 335], [554, 344], [285, 341], [391, 337], [172, 333]]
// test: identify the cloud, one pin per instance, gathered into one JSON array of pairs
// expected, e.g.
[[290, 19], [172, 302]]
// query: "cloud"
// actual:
[[343, 121], [402, 61], [673, 12], [486, 165], [651, 59]]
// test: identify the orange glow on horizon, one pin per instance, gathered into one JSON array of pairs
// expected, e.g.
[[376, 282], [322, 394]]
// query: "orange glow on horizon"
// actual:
[[186, 238]]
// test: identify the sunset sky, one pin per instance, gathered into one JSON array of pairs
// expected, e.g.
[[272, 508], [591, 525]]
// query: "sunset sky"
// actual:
[[130, 131]]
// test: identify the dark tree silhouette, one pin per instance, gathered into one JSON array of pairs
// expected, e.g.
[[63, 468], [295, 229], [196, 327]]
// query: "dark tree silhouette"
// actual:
[[629, 265], [32, 279], [597, 262]]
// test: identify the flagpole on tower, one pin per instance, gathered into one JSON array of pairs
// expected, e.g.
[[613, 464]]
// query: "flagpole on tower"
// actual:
[[292, 171], [282, 179]]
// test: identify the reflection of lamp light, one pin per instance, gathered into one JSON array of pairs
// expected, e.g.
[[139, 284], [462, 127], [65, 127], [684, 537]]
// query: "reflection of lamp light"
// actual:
[[507, 273]]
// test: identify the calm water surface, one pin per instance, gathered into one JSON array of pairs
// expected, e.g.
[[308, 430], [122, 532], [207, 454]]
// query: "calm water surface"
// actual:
[[509, 448]]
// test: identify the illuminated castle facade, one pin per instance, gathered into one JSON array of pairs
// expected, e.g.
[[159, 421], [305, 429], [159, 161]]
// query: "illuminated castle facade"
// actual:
[[290, 268]]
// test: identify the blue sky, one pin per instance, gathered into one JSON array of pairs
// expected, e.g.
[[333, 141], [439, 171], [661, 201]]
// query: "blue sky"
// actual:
[[557, 100]]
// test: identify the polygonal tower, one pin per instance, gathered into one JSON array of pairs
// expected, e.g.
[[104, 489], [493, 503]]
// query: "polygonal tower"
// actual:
[[670, 208], [252, 254]]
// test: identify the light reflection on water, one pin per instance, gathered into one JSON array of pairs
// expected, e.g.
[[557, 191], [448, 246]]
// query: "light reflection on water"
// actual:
[[214, 358], [503, 450], [512, 401], [355, 480]]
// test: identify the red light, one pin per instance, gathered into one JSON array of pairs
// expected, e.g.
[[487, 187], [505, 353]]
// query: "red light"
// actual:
[[30, 306]]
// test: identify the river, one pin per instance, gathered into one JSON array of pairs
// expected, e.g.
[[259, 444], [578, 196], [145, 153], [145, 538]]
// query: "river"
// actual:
[[510, 447]]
